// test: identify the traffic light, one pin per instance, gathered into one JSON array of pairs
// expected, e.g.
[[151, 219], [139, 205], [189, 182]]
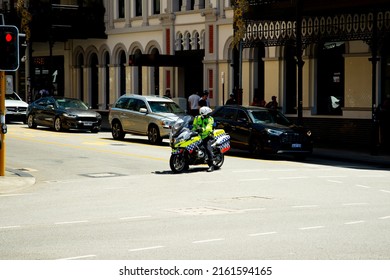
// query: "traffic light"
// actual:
[[9, 48]]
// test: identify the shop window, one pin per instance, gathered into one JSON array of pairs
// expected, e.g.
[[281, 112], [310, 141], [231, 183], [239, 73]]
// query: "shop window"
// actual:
[[330, 79]]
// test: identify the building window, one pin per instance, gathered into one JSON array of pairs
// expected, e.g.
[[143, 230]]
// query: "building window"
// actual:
[[156, 7], [121, 8], [138, 8], [180, 5]]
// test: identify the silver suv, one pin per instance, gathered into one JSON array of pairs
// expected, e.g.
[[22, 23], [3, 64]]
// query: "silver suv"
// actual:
[[143, 115]]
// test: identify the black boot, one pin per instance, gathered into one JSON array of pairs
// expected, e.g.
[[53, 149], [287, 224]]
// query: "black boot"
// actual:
[[211, 168]]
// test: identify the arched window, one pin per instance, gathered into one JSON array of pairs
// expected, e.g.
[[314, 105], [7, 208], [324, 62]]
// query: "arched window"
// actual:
[[80, 63], [122, 73], [156, 74], [187, 41], [107, 79], [179, 42], [94, 80], [195, 41]]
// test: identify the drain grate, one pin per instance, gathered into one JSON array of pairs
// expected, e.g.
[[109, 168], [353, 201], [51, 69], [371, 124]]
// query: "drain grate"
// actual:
[[203, 211], [102, 175]]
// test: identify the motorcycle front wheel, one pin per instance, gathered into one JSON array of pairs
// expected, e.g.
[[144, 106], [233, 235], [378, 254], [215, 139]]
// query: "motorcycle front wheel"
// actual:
[[218, 161], [178, 163]]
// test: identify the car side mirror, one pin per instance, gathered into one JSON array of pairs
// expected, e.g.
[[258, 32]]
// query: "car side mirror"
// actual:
[[143, 110]]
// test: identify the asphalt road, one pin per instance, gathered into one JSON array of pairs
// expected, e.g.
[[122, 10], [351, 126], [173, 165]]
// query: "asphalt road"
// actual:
[[99, 199]]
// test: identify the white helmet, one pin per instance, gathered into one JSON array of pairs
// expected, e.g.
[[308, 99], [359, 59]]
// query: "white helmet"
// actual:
[[205, 111]]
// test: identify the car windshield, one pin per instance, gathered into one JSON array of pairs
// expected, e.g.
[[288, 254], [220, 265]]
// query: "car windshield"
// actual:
[[11, 96], [72, 104], [265, 116], [165, 107]]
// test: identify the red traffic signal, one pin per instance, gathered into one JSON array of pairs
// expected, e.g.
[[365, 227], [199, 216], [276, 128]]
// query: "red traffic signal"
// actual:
[[8, 37], [9, 48]]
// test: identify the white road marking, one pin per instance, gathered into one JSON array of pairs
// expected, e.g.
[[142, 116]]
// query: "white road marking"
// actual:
[[262, 233], [290, 178], [305, 206], [354, 223], [372, 176], [253, 209], [70, 222], [362, 186], [208, 240], [332, 176], [309, 228], [255, 179], [334, 181], [146, 248], [15, 194], [9, 227], [385, 191], [79, 257], [134, 218], [384, 218], [355, 204]]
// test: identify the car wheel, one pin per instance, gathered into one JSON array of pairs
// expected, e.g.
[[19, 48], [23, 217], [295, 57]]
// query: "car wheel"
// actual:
[[154, 135], [30, 122], [117, 131], [57, 124], [255, 146]]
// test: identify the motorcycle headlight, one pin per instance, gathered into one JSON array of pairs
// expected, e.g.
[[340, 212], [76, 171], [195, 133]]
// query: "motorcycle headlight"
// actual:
[[274, 132]]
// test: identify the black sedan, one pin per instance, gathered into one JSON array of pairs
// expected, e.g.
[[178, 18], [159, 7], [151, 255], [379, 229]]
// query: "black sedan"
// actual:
[[62, 113], [261, 130]]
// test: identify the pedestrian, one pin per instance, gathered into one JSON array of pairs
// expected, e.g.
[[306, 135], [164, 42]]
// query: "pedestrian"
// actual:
[[193, 104], [273, 104], [231, 100], [168, 94], [203, 100]]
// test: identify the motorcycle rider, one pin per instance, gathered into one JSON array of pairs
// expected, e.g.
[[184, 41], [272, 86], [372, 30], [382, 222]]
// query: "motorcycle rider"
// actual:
[[203, 124]]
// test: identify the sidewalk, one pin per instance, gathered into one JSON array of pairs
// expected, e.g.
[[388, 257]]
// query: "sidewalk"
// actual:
[[16, 180]]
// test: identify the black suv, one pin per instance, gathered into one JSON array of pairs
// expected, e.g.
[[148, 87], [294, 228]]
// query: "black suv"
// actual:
[[261, 130]]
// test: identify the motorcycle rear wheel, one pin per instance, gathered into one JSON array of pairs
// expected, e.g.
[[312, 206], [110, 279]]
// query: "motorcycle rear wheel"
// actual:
[[218, 160], [178, 163]]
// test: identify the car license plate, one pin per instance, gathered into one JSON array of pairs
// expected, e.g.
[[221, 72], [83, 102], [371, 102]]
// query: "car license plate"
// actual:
[[88, 123], [296, 145]]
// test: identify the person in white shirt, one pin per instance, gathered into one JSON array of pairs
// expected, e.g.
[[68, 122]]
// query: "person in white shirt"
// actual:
[[193, 101]]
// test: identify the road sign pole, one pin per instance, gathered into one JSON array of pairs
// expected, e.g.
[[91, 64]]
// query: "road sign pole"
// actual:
[[2, 123]]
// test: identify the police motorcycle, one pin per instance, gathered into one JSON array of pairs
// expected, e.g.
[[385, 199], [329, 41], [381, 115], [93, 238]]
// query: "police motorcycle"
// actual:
[[187, 148]]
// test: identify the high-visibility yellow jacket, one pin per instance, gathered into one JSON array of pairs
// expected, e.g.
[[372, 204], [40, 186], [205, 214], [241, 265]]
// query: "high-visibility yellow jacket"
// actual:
[[204, 125]]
